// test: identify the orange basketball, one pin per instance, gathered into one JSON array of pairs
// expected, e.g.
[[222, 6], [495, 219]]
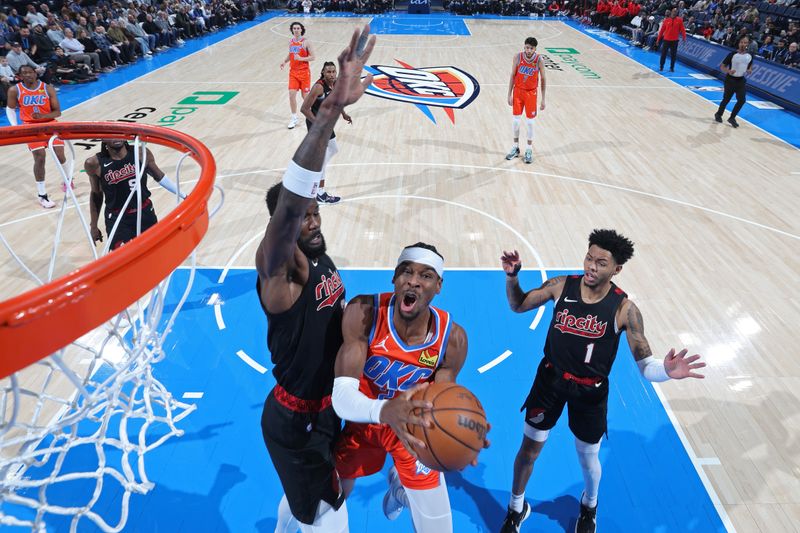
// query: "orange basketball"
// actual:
[[458, 427]]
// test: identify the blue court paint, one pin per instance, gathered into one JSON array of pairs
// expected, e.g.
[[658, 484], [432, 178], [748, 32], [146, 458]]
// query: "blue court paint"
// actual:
[[218, 476], [444, 24]]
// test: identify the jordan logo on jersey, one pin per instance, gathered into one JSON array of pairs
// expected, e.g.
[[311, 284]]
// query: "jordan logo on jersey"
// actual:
[[587, 326], [328, 290]]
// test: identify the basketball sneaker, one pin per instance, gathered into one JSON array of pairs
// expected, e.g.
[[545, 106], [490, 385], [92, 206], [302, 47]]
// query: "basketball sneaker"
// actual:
[[513, 153], [529, 156], [64, 186], [292, 122], [326, 198], [514, 519], [587, 520], [46, 202], [392, 502]]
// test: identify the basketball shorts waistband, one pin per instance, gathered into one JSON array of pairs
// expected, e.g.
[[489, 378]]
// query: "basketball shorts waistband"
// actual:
[[572, 377], [299, 405]]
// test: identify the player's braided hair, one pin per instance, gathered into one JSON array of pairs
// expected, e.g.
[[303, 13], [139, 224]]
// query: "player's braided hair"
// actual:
[[324, 66], [620, 247]]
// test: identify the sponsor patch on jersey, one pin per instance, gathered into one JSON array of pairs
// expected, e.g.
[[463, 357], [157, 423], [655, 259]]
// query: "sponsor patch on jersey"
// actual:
[[427, 359], [447, 87]]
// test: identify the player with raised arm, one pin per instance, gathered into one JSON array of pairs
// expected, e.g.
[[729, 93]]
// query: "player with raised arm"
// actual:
[[302, 295], [589, 315]]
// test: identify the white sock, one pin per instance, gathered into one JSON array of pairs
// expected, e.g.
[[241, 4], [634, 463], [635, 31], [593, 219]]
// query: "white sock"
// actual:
[[529, 128], [41, 188], [516, 502], [320, 190], [588, 457]]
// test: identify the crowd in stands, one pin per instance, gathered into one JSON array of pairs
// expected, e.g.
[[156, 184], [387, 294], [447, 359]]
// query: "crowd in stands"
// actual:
[[354, 6], [73, 42], [771, 26]]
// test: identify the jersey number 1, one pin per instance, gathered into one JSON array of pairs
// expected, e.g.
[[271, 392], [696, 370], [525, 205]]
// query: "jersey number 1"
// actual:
[[589, 350]]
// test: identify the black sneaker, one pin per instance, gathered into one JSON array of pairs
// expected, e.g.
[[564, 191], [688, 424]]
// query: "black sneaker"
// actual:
[[514, 519], [732, 122], [718, 117], [326, 198], [587, 521]]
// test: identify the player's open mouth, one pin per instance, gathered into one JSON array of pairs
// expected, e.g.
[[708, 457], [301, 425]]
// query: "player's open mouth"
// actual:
[[408, 302], [316, 239]]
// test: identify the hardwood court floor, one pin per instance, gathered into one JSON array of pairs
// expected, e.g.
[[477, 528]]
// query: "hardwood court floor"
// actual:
[[712, 210]]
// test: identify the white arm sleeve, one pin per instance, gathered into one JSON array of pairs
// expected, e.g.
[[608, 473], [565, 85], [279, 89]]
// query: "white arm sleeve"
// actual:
[[12, 116], [653, 369], [170, 185], [351, 404]]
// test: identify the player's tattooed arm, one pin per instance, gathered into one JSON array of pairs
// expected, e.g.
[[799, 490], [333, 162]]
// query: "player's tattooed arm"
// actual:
[[633, 324], [521, 301], [455, 354]]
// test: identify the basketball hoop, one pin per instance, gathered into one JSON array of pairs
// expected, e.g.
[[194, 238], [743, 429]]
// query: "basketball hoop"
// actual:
[[77, 350]]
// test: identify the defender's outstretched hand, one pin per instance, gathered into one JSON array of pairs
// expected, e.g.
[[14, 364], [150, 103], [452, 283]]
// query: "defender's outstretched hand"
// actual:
[[511, 262], [678, 366], [349, 86]]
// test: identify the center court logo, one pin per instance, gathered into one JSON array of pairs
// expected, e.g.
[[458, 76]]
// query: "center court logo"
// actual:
[[446, 87]]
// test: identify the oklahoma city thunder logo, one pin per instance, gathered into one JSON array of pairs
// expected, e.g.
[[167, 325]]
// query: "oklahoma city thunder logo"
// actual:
[[446, 87]]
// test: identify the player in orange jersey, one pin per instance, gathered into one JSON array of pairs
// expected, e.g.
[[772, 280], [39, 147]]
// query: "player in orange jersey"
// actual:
[[522, 93], [395, 343], [299, 58], [37, 102]]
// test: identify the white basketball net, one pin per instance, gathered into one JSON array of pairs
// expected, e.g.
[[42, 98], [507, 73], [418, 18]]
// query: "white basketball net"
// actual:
[[96, 398]]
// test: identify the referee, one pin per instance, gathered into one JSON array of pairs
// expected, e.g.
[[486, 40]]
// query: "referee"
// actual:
[[735, 66]]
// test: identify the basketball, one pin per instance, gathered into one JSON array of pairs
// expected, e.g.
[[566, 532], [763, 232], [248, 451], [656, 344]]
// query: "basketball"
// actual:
[[458, 427]]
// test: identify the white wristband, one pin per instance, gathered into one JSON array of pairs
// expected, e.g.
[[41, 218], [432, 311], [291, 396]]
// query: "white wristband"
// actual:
[[300, 181], [653, 369], [169, 185], [352, 404], [11, 113]]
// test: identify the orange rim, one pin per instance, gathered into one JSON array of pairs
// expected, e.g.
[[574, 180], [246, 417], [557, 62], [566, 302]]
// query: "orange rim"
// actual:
[[39, 322]]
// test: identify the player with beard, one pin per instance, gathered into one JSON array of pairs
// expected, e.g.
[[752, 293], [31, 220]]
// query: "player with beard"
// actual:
[[302, 295], [589, 316], [393, 343], [112, 175]]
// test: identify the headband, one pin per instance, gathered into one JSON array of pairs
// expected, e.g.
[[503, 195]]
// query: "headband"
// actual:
[[422, 256]]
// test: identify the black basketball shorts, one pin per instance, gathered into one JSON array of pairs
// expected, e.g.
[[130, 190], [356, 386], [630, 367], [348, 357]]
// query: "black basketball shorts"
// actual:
[[587, 405], [126, 230], [301, 446]]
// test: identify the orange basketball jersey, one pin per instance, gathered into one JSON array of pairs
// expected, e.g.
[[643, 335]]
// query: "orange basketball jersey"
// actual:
[[298, 49], [392, 366], [527, 76], [33, 101]]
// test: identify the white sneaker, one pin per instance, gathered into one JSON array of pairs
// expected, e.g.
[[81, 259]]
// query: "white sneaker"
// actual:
[[292, 122], [46, 202], [392, 506]]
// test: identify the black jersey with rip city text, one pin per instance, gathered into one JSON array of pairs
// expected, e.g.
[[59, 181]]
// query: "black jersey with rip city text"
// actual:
[[117, 179], [583, 338], [326, 90], [305, 339]]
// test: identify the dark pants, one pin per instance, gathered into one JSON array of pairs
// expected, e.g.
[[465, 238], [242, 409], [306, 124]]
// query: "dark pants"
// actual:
[[733, 85], [672, 46]]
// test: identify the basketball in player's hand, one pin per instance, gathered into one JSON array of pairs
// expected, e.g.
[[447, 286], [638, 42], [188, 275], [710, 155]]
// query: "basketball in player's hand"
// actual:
[[458, 427]]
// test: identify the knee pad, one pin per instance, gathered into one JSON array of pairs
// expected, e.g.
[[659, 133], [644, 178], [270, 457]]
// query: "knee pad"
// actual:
[[515, 125]]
